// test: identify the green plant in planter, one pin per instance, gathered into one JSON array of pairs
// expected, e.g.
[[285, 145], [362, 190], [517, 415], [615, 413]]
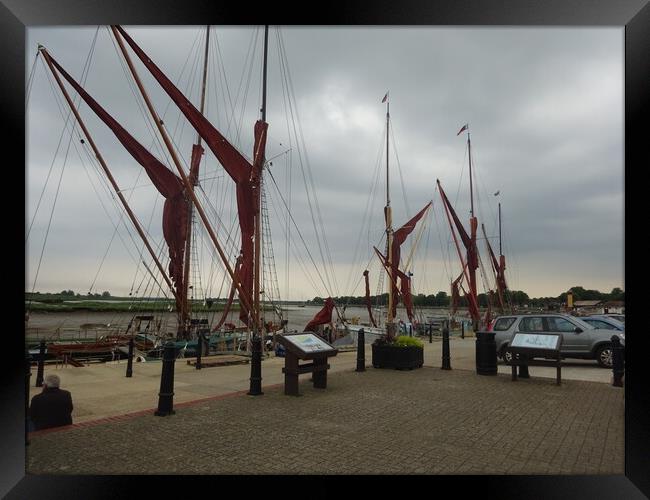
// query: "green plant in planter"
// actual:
[[402, 353], [405, 341]]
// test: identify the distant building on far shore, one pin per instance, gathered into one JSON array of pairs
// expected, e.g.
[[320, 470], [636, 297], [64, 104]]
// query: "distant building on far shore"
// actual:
[[587, 307]]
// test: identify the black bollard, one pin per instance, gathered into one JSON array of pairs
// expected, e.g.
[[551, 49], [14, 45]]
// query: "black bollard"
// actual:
[[523, 371], [199, 350], [618, 361], [430, 333], [166, 394], [256, 367], [462, 329], [41, 365], [28, 374], [129, 361], [446, 362], [486, 354], [361, 351]]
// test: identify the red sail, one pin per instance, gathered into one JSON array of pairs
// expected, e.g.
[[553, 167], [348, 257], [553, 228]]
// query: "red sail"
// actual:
[[499, 267], [399, 237], [405, 290], [469, 241], [322, 317], [245, 175], [175, 211], [368, 303]]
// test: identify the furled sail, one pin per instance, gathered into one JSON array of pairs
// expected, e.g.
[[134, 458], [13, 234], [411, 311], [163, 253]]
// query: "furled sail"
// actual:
[[322, 317], [175, 212], [499, 267], [399, 237], [245, 174], [469, 241]]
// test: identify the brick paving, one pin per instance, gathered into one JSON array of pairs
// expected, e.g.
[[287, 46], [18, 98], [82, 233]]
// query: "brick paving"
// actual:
[[425, 421]]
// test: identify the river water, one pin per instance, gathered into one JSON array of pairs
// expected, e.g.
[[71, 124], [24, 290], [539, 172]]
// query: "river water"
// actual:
[[69, 324]]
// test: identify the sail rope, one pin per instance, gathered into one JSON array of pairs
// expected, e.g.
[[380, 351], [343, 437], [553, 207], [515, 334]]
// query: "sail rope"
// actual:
[[308, 180], [30, 80], [67, 120]]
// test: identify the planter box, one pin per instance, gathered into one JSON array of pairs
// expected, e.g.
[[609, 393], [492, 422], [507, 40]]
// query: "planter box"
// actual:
[[399, 358]]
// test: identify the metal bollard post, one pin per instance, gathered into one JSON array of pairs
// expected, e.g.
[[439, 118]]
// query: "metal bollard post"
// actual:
[[462, 329], [28, 374], [199, 350], [166, 394], [446, 363], [129, 361], [256, 368], [361, 351], [523, 371], [430, 333], [41, 365], [618, 361]]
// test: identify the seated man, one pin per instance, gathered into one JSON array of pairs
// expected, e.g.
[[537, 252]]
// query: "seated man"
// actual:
[[52, 407]]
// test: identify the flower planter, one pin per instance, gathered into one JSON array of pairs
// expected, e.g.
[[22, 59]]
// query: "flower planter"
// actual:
[[399, 358]]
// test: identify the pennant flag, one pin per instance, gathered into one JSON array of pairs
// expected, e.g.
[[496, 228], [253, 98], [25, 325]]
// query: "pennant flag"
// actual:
[[464, 128], [385, 97], [497, 193]]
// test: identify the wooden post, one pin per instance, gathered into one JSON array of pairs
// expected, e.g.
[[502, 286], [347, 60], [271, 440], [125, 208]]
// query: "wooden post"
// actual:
[[290, 374]]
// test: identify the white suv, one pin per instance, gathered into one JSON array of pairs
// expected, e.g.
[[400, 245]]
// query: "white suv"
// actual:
[[579, 338]]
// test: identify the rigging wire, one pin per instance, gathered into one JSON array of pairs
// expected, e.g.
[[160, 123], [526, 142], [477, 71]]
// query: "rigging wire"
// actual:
[[326, 255], [85, 71]]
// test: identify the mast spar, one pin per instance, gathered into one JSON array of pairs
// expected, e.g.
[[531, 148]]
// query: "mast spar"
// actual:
[[197, 152], [390, 325]]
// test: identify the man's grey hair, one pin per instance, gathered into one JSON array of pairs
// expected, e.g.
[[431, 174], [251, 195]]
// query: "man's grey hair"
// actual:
[[52, 381]]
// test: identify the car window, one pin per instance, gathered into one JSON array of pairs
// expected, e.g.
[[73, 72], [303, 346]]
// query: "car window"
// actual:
[[556, 324], [597, 323], [531, 324], [503, 324]]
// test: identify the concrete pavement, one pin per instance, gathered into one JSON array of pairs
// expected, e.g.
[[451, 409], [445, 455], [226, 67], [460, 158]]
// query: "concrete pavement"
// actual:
[[425, 421]]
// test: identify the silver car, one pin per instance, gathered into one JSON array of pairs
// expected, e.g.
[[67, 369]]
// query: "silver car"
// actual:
[[579, 338]]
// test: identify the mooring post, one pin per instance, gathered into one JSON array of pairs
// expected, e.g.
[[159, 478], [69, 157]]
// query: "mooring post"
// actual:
[[618, 361], [256, 367], [523, 370], [41, 364], [446, 362], [361, 351], [199, 350], [28, 374], [129, 361], [166, 394]]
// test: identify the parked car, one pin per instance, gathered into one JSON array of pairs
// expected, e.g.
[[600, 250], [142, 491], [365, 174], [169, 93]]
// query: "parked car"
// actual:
[[619, 317], [606, 322], [579, 338]]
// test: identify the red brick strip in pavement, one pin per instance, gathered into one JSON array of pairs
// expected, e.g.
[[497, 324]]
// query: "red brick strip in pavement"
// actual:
[[126, 416]]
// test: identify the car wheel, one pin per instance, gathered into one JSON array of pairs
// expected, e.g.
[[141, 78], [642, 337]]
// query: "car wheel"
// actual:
[[604, 356], [506, 354]]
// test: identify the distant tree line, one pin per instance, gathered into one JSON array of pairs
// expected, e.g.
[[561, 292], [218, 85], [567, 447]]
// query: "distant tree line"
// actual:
[[515, 297]]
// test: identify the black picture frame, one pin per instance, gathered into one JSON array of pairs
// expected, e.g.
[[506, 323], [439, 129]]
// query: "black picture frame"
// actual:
[[634, 15]]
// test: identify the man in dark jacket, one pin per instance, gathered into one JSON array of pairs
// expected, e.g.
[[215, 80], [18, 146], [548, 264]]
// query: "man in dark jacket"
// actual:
[[52, 407]]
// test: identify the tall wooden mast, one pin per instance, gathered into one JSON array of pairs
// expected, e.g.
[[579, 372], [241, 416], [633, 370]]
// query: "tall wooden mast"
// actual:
[[258, 204], [390, 324], [473, 225], [194, 179]]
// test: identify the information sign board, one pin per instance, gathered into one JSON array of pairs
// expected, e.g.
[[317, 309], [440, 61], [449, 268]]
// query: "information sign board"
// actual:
[[308, 342], [537, 341]]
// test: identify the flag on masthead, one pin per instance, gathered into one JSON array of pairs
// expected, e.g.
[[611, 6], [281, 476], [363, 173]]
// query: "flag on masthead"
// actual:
[[465, 127], [385, 97]]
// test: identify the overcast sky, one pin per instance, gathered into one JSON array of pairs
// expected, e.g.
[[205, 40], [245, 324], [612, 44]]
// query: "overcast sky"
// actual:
[[545, 113]]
